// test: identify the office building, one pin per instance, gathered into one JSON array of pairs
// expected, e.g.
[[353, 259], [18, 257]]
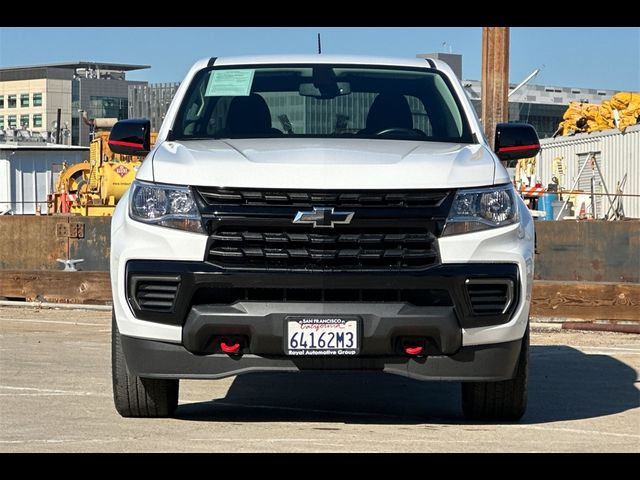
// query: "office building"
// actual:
[[31, 95]]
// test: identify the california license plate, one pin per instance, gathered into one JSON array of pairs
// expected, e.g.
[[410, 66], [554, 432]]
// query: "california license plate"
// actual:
[[321, 336]]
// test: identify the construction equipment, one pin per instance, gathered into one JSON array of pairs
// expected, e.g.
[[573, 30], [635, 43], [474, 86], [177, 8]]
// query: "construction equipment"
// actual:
[[92, 188], [525, 173]]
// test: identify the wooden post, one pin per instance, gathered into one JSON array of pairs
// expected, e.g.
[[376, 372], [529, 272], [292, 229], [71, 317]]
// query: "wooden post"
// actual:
[[495, 79]]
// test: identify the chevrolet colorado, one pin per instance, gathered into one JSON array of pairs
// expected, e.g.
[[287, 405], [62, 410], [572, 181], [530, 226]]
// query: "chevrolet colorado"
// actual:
[[327, 213]]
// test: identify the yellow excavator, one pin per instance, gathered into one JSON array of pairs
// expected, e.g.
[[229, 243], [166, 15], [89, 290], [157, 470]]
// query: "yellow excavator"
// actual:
[[92, 188]]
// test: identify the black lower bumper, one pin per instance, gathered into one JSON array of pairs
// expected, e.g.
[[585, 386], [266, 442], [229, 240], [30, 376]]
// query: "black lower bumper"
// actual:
[[395, 311], [153, 359], [167, 291], [260, 326]]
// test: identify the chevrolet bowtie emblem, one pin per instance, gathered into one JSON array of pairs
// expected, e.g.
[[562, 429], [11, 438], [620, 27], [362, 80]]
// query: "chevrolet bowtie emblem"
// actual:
[[323, 217]]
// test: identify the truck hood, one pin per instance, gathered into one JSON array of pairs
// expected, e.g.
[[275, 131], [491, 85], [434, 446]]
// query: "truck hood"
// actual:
[[283, 163]]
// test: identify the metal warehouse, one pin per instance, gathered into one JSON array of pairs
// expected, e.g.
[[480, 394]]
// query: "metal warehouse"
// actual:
[[617, 155]]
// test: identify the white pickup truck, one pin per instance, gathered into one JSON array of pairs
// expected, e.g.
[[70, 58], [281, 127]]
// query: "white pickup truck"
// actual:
[[325, 213]]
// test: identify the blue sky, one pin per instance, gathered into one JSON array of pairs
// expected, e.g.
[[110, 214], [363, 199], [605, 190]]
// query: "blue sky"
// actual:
[[582, 57]]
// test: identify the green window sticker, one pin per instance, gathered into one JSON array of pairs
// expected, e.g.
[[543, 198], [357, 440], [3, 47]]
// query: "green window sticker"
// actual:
[[230, 83]]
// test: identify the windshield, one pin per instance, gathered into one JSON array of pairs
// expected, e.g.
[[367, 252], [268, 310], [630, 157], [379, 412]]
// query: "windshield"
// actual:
[[321, 101]]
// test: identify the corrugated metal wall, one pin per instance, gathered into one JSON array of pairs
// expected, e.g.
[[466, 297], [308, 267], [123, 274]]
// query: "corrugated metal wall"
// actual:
[[619, 153], [27, 176]]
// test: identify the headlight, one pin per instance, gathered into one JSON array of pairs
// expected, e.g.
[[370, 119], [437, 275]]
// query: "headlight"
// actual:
[[165, 205], [480, 209]]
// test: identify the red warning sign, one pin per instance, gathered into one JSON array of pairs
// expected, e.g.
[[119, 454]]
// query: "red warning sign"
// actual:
[[121, 170]]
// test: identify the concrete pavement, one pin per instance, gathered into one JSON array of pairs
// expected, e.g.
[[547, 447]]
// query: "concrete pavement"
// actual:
[[55, 395]]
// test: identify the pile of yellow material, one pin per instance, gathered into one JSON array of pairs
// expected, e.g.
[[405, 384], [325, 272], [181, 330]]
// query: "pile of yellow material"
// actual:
[[622, 111]]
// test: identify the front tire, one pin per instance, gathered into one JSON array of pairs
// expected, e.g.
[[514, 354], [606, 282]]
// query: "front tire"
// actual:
[[499, 401], [134, 396]]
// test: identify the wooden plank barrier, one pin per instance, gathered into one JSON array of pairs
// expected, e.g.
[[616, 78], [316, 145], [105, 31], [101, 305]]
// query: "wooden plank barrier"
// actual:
[[575, 300]]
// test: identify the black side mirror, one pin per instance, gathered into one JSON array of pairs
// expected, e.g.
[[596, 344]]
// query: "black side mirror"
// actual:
[[131, 137], [516, 140]]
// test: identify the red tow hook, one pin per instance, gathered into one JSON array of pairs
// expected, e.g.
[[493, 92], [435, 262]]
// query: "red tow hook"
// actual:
[[229, 348], [413, 350]]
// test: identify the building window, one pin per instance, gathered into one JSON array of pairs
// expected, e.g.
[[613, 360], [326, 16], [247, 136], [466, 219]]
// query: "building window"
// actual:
[[37, 120], [75, 130], [37, 99], [108, 107], [12, 121], [75, 118], [24, 99], [1, 101], [11, 103], [24, 120], [1, 122]]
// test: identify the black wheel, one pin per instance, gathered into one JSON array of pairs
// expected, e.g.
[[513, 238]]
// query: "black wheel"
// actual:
[[499, 401], [139, 397]]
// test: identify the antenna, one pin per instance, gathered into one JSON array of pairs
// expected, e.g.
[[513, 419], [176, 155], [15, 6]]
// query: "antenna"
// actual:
[[319, 45]]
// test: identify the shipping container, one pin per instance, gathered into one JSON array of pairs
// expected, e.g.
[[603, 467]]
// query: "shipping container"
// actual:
[[28, 174]]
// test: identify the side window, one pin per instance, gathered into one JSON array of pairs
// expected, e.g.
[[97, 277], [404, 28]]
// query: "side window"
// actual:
[[342, 115], [287, 110]]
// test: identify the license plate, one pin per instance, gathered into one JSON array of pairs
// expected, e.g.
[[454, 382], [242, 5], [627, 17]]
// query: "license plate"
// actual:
[[321, 336]]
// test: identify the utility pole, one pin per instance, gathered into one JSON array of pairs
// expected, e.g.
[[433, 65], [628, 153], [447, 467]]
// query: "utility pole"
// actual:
[[495, 79]]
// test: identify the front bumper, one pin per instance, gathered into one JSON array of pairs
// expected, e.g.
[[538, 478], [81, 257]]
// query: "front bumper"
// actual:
[[201, 284], [512, 245], [203, 305], [154, 359]]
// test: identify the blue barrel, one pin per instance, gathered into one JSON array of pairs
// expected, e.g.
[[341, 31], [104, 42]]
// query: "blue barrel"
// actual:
[[545, 203]]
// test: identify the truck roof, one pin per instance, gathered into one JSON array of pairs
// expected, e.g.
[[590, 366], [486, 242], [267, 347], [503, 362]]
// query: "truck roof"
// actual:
[[315, 59]]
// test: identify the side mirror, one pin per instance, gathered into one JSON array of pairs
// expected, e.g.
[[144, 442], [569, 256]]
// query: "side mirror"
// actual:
[[515, 141], [131, 137]]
